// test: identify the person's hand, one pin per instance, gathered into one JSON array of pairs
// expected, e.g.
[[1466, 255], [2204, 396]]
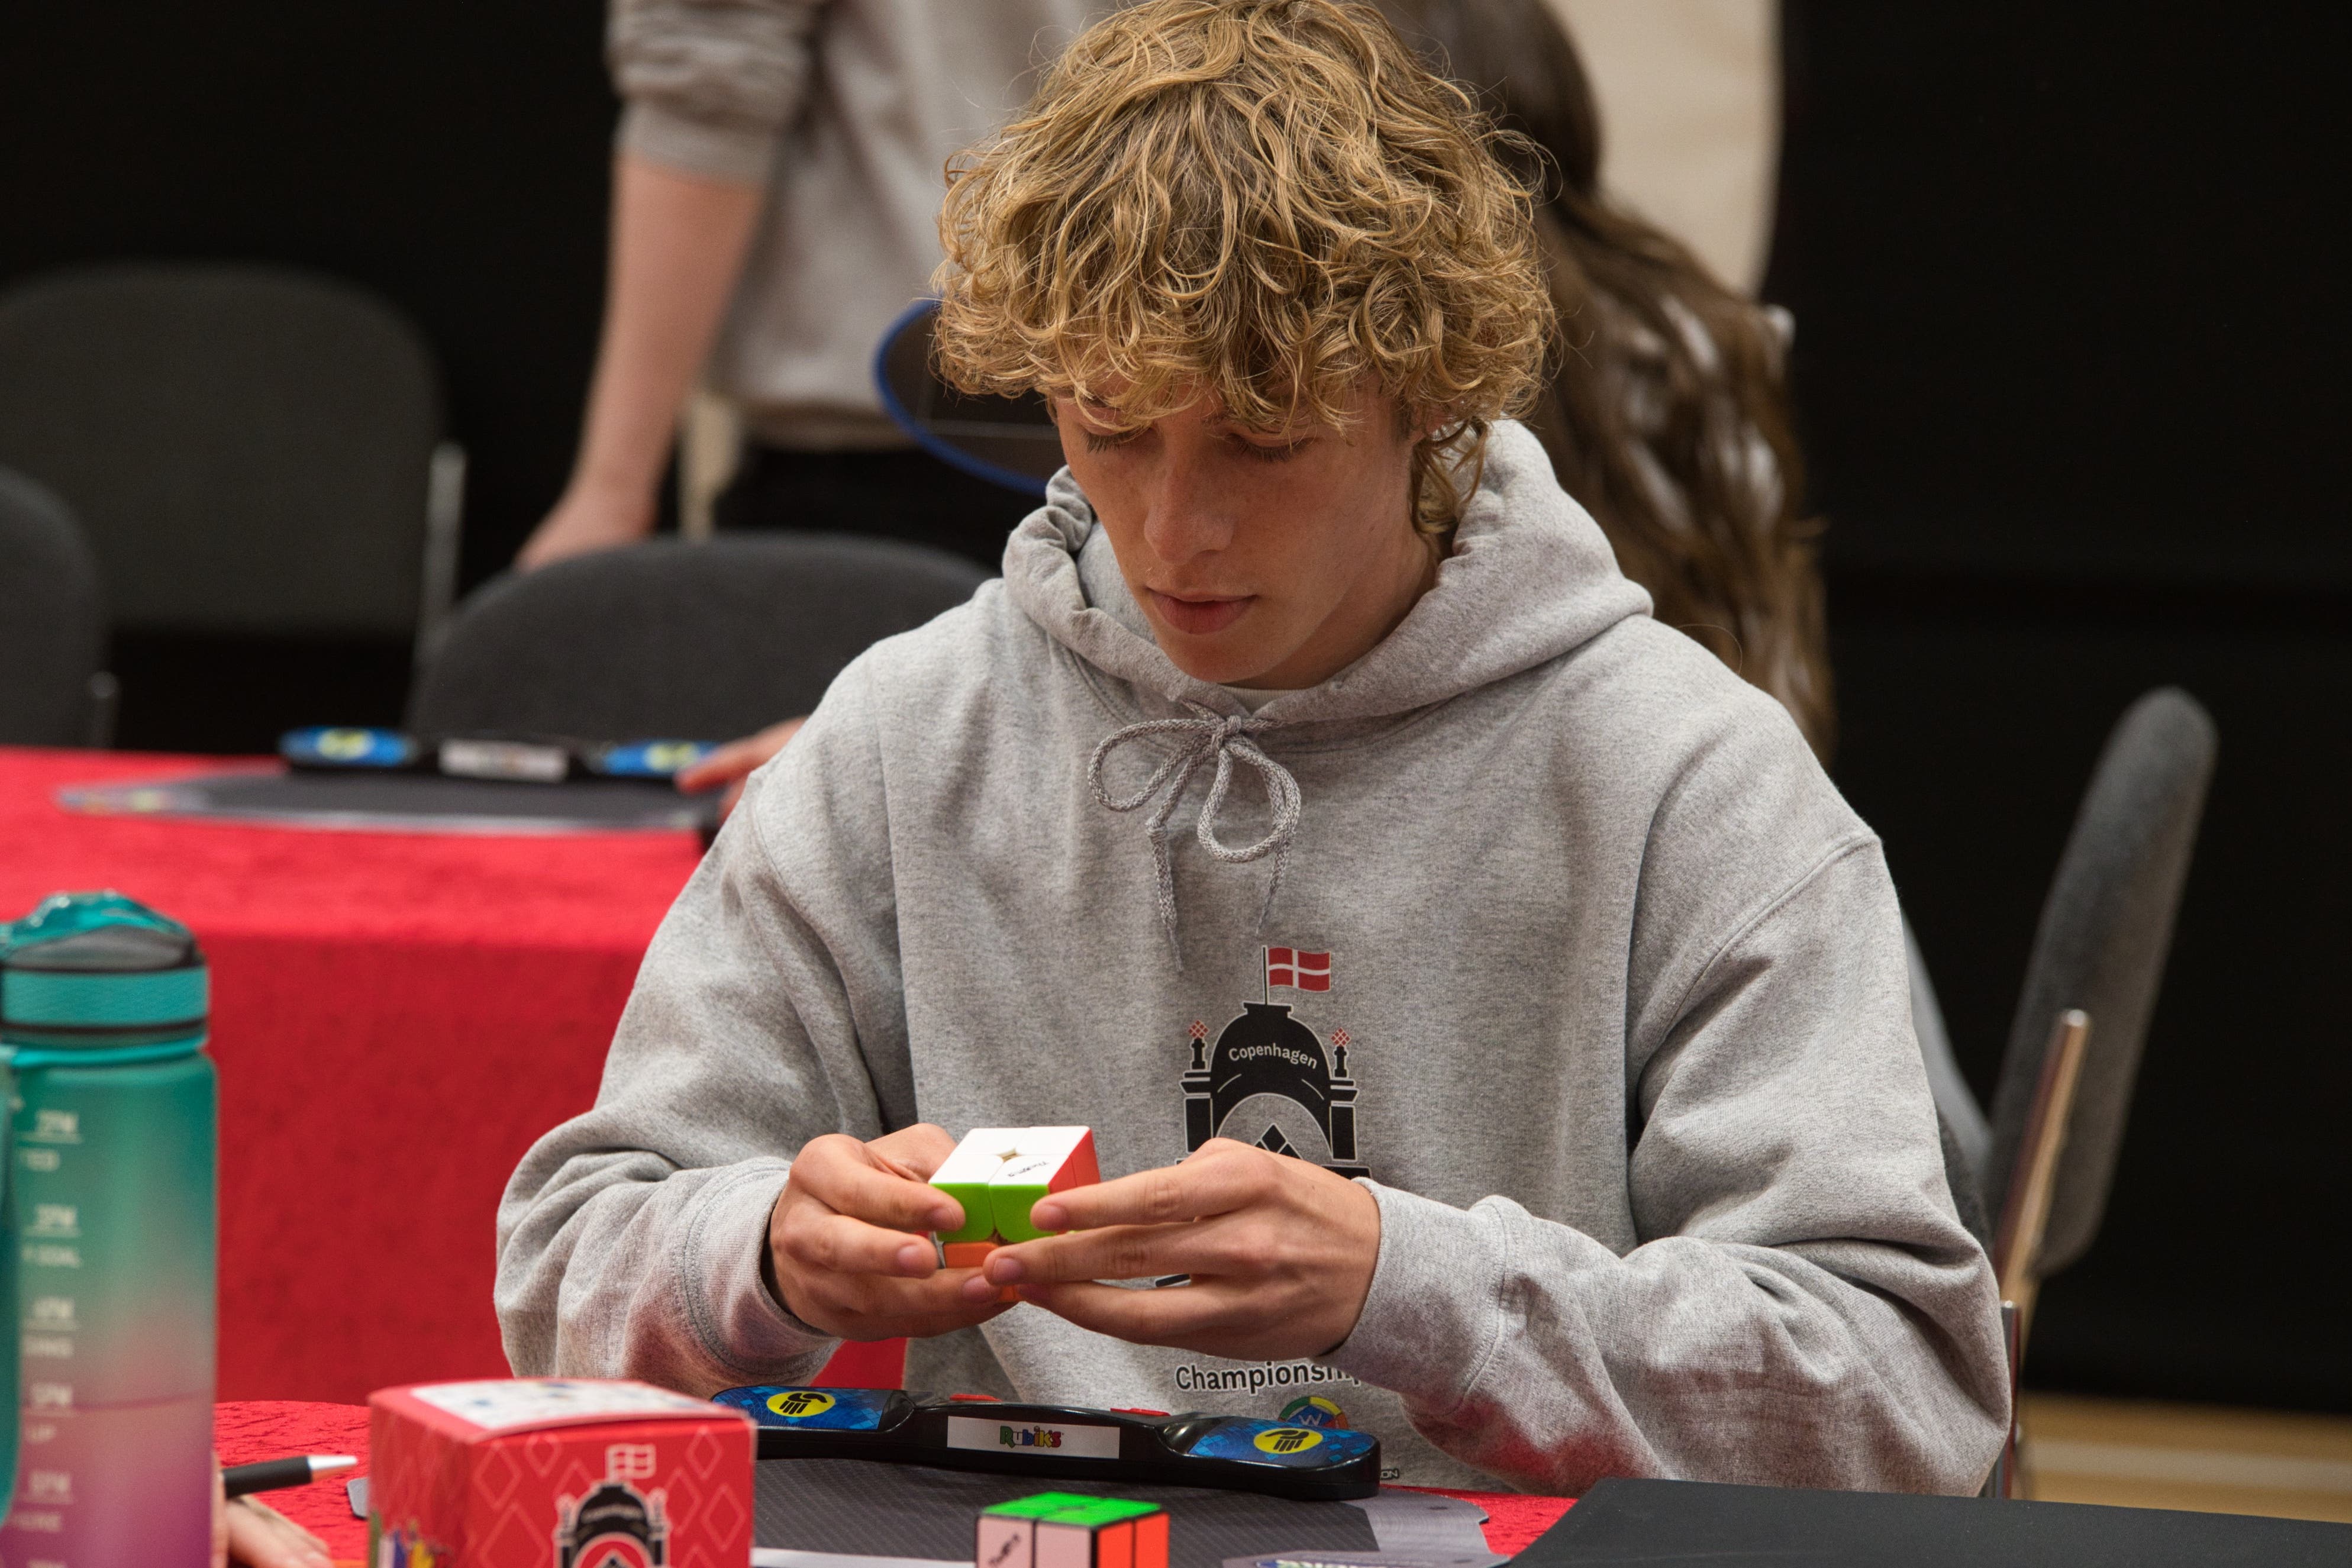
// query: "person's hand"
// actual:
[[251, 1532], [846, 1248], [589, 517], [732, 764], [1280, 1254]]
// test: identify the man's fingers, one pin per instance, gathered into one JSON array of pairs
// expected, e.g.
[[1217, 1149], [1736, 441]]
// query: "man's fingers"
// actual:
[[847, 1179], [1119, 1252], [1169, 1317], [1220, 1177], [876, 1306], [840, 1244], [725, 765], [737, 759], [919, 1149], [261, 1537]]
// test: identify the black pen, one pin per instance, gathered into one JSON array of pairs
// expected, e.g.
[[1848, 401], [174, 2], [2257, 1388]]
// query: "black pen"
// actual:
[[269, 1475]]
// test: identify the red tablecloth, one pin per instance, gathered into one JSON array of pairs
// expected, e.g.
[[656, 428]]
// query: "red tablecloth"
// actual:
[[268, 1431], [396, 1018]]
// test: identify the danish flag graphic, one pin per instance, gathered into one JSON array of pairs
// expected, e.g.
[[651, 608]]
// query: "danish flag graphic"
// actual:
[[1299, 970]]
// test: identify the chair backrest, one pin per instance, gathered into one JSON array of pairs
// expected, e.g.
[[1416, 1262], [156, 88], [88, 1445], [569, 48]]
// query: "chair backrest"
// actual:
[[1010, 441], [248, 448], [2106, 929], [52, 628], [676, 640]]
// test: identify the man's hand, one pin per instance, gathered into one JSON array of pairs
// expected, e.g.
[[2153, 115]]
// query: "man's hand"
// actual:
[[1280, 1254], [251, 1533], [846, 1248], [732, 764]]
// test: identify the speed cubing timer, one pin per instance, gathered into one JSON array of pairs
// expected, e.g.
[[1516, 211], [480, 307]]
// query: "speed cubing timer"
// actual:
[[1069, 1530], [998, 1173]]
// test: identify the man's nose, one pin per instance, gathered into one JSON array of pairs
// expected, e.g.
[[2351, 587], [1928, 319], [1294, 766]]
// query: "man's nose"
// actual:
[[1188, 516]]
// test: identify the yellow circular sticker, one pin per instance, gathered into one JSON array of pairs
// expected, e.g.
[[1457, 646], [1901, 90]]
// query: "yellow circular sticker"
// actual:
[[1288, 1439], [799, 1403], [345, 745]]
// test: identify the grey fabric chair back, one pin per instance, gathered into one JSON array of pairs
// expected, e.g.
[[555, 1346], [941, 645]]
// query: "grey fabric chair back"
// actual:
[[2106, 929], [249, 448], [52, 628], [678, 641]]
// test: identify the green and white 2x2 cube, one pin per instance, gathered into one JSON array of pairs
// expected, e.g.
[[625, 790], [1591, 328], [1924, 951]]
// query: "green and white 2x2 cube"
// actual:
[[998, 1173]]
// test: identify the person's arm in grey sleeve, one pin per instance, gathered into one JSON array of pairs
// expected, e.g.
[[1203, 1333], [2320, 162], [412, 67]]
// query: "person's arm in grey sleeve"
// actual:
[[769, 1011], [710, 90], [1804, 1309]]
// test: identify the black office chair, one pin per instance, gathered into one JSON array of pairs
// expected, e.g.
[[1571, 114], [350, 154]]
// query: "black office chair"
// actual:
[[676, 640], [54, 690], [251, 449]]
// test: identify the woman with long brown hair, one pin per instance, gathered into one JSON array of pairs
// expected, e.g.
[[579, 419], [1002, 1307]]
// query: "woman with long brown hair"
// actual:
[[1667, 411], [1667, 416]]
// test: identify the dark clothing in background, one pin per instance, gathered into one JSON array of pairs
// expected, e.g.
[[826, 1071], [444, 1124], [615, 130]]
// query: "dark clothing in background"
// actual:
[[904, 493]]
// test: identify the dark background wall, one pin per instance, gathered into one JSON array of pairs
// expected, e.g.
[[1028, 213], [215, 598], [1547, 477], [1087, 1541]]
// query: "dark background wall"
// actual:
[[2069, 366]]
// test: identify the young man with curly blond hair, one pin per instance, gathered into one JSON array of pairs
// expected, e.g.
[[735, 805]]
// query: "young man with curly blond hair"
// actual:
[[1493, 1026]]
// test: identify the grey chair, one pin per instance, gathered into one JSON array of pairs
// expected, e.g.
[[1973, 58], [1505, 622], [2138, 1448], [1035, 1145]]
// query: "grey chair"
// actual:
[[251, 449], [54, 690], [2057, 1125], [2106, 928], [676, 640]]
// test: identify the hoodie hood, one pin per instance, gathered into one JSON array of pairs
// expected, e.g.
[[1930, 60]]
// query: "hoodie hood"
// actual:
[[1530, 577]]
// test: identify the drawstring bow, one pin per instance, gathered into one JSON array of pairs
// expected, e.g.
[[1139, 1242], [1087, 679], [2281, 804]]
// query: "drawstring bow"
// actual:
[[1227, 738]]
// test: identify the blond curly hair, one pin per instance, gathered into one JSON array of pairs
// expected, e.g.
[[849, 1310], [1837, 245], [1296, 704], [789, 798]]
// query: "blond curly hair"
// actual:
[[1265, 202]]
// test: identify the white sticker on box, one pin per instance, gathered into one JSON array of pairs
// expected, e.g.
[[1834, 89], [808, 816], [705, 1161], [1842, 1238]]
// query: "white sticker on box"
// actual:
[[505, 1405], [1061, 1440]]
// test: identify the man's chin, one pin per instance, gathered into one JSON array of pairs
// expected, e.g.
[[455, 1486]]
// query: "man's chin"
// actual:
[[1200, 659]]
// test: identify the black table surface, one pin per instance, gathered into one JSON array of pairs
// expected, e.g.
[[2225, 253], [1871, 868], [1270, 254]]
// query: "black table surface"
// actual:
[[1658, 1523]]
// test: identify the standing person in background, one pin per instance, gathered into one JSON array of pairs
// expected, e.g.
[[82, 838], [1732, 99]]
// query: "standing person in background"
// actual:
[[775, 206]]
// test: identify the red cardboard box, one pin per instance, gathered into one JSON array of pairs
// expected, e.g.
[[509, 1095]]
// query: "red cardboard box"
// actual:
[[556, 1473]]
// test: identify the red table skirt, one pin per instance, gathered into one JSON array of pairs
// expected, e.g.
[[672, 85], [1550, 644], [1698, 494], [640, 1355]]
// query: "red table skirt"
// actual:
[[396, 1018], [273, 1429]]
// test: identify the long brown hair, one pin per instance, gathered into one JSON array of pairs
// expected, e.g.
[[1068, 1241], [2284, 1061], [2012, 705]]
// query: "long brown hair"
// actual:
[[1667, 415]]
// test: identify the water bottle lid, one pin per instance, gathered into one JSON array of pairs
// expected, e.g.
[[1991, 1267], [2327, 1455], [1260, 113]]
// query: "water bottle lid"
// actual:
[[100, 970]]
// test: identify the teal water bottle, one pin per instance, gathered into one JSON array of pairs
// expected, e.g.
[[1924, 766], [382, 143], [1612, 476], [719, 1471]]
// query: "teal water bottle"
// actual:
[[111, 1197]]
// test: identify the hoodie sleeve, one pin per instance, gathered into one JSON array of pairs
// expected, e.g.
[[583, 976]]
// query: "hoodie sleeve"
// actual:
[[1803, 1307], [767, 1012], [711, 85]]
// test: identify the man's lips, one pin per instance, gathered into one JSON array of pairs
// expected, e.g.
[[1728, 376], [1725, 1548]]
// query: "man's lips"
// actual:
[[1199, 617]]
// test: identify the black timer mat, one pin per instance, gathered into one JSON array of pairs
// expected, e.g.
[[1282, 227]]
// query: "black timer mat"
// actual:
[[403, 802], [863, 1508], [1659, 1523]]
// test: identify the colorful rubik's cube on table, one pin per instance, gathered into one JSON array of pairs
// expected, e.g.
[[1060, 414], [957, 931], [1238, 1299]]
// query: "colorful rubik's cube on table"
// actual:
[[997, 1173], [1070, 1529]]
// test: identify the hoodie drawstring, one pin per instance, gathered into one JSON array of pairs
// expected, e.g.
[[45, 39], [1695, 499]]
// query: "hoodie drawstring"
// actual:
[[1225, 737]]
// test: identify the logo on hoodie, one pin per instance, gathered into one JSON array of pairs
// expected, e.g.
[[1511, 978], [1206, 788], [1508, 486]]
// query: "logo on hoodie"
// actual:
[[1270, 1079]]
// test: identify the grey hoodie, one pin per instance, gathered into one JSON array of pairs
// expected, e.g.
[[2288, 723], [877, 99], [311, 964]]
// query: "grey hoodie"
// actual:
[[1592, 977]]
